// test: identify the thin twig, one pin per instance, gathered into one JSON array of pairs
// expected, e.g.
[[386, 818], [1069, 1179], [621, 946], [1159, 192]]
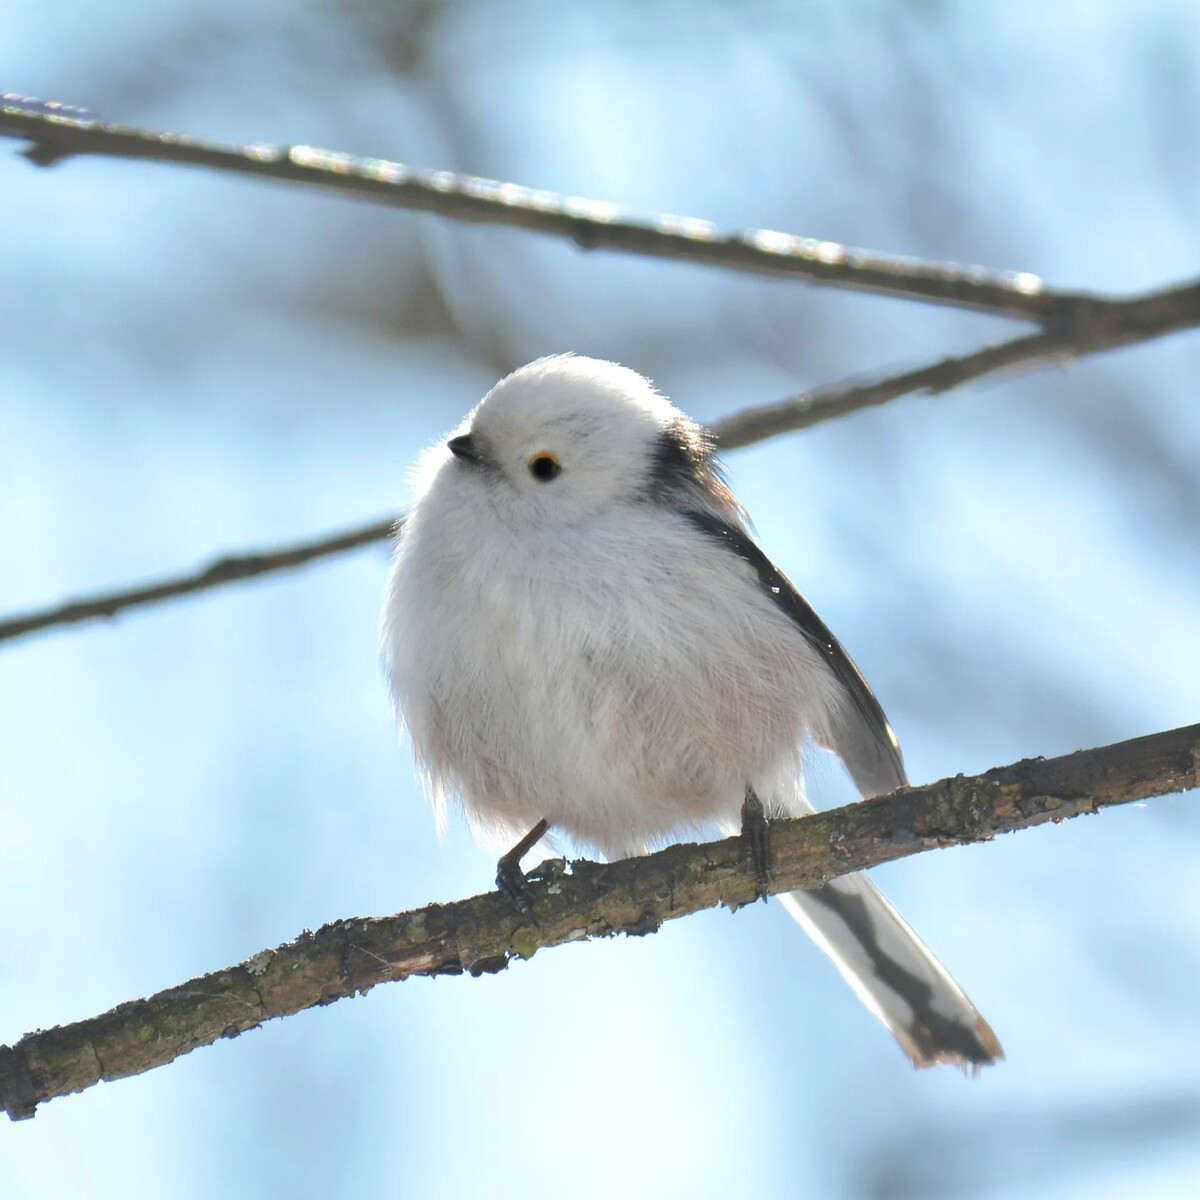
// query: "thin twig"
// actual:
[[634, 896], [58, 131], [228, 568], [1102, 325]]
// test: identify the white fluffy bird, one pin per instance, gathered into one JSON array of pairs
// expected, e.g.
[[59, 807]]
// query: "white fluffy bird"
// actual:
[[582, 636]]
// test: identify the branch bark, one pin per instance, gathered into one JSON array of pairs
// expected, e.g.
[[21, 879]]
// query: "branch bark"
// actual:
[[634, 896], [59, 131], [1103, 324]]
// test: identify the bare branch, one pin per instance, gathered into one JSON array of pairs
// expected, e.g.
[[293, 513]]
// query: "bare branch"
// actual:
[[1097, 325], [58, 131], [227, 569], [634, 896], [1100, 325]]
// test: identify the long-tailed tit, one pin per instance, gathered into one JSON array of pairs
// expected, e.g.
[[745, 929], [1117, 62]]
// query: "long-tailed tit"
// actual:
[[582, 636]]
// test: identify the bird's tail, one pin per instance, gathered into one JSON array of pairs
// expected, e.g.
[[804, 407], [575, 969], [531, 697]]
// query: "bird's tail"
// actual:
[[894, 973]]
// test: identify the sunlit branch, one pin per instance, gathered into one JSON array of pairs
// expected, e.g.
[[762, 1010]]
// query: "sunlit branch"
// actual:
[[59, 131]]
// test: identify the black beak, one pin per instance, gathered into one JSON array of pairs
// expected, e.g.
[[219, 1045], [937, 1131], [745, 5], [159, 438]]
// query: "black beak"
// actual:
[[464, 447]]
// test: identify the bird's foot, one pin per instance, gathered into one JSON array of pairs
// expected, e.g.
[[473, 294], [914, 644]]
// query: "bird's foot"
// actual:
[[513, 883], [756, 834], [510, 879]]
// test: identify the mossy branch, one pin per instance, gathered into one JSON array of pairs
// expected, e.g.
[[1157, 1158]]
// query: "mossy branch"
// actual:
[[634, 896]]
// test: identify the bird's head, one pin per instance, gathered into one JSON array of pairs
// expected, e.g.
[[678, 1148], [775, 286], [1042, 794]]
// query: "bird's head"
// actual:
[[566, 437]]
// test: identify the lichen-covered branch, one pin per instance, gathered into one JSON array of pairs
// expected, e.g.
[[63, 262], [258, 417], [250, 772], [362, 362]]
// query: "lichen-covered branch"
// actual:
[[634, 896], [1101, 325], [59, 131]]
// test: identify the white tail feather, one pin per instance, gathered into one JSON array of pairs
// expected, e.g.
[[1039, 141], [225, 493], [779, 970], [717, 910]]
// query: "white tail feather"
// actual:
[[894, 973]]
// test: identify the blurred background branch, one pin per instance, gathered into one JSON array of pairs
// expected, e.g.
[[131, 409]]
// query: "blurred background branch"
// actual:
[[59, 131], [1104, 324], [229, 568], [635, 896]]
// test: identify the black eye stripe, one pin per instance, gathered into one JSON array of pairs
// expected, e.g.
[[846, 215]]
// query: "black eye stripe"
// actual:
[[544, 468]]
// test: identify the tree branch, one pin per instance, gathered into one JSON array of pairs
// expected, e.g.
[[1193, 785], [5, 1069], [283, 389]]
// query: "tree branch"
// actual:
[[1101, 325], [59, 131], [229, 568], [634, 896]]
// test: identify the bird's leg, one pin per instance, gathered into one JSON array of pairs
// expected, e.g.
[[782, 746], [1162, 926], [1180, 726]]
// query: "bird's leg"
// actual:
[[756, 833], [510, 879]]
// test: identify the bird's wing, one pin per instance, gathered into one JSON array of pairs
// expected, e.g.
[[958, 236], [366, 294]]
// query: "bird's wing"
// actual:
[[860, 734], [892, 970]]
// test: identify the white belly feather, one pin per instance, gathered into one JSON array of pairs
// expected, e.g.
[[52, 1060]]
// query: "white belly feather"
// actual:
[[529, 696]]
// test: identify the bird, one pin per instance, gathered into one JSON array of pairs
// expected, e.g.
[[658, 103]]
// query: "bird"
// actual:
[[584, 639]]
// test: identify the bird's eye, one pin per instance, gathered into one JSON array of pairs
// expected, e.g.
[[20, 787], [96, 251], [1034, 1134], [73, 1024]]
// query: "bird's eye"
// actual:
[[545, 467]]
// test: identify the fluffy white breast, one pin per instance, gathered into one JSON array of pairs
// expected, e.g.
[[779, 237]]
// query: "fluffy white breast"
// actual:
[[617, 673]]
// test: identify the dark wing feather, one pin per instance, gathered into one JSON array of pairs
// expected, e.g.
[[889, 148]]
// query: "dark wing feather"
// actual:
[[862, 737]]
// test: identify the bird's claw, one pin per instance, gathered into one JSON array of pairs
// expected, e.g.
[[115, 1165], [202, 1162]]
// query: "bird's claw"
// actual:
[[513, 883], [756, 834]]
